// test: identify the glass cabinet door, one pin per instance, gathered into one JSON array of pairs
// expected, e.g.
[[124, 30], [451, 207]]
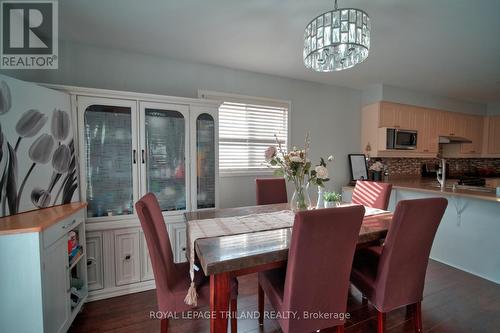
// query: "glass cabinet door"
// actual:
[[164, 154], [109, 159], [205, 161]]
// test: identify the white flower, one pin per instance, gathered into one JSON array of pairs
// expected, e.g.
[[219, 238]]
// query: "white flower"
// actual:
[[330, 158], [270, 153], [321, 172], [296, 159]]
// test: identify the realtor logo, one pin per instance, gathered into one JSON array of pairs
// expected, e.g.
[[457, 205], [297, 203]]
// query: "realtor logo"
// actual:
[[29, 33]]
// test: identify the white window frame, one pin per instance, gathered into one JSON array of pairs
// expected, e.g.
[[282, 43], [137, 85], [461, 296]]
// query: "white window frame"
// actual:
[[221, 97]]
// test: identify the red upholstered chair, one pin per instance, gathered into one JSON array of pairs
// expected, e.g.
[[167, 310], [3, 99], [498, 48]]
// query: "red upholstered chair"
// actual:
[[393, 275], [172, 280], [372, 194], [317, 275], [271, 191]]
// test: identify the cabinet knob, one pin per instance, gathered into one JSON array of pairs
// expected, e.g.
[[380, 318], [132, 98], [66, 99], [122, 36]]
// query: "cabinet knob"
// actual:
[[184, 249], [128, 256]]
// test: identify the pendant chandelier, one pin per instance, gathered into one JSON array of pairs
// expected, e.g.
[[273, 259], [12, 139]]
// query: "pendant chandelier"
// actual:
[[337, 40]]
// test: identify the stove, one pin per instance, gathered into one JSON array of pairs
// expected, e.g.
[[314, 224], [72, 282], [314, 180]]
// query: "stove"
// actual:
[[471, 181]]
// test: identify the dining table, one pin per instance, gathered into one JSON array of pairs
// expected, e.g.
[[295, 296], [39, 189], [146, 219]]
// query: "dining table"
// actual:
[[224, 257]]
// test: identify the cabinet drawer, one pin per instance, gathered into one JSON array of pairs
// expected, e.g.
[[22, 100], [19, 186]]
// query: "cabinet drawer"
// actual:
[[61, 228]]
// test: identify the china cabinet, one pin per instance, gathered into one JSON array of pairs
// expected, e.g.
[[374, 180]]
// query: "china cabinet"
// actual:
[[131, 144]]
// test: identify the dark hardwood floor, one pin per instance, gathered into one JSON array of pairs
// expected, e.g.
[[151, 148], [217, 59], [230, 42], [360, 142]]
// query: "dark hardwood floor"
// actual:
[[454, 301]]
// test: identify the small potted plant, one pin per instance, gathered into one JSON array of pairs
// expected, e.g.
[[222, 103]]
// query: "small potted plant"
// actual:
[[332, 199], [376, 171]]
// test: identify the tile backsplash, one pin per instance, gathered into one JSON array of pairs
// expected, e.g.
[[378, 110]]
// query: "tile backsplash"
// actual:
[[457, 166]]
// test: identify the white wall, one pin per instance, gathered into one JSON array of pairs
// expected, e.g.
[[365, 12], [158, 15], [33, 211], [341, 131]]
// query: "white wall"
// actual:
[[494, 109], [330, 113]]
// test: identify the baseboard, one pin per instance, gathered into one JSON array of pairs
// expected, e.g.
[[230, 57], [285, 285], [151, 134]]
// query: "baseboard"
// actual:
[[465, 270], [96, 295]]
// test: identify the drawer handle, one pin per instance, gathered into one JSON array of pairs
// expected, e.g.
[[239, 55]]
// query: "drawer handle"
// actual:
[[127, 257], [69, 224], [90, 261]]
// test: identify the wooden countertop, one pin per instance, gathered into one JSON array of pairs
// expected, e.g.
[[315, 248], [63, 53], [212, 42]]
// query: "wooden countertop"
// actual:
[[38, 220], [429, 185]]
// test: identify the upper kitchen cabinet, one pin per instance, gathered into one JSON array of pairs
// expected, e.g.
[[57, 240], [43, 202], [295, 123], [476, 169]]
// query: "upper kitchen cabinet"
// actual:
[[429, 124], [474, 132], [400, 116], [492, 136]]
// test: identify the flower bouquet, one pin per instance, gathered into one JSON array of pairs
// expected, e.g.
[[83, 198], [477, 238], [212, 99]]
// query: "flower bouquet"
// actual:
[[296, 168]]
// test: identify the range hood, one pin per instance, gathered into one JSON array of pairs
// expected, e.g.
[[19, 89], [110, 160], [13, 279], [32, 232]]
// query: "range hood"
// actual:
[[453, 139]]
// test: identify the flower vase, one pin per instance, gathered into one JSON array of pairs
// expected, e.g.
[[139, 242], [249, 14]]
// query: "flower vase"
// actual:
[[300, 198], [321, 201]]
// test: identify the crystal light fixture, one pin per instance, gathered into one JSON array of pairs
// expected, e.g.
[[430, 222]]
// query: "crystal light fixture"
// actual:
[[337, 40]]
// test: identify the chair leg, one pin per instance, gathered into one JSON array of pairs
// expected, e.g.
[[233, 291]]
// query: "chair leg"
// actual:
[[261, 306], [164, 325], [340, 329], [234, 314], [417, 316], [380, 322]]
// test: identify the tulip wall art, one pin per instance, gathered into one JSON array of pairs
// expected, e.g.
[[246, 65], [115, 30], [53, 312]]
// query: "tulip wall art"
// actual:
[[38, 166]]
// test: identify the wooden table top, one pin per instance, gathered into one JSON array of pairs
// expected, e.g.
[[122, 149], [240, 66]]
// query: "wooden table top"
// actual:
[[38, 220], [244, 251]]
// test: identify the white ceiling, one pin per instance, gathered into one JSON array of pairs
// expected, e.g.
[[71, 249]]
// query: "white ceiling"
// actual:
[[444, 47]]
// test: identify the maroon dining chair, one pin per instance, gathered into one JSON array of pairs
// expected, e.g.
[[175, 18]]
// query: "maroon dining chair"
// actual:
[[393, 275], [172, 279], [372, 194], [316, 279], [271, 191]]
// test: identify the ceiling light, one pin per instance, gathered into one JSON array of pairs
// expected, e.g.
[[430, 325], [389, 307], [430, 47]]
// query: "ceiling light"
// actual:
[[337, 40]]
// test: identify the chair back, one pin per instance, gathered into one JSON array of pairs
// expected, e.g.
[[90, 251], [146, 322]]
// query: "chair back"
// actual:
[[372, 194], [319, 264], [271, 191], [156, 234], [405, 254]]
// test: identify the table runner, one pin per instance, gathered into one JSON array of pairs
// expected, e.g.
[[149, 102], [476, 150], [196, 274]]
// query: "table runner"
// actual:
[[226, 226]]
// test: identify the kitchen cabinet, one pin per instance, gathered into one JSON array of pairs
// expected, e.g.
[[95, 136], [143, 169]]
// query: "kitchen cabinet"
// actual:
[[127, 264], [427, 128], [492, 146], [474, 132], [429, 124], [395, 115]]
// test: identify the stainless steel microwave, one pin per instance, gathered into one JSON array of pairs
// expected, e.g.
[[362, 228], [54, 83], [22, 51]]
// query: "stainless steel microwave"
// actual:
[[401, 139]]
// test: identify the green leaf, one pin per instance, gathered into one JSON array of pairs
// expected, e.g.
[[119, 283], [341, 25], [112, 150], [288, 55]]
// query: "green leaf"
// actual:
[[273, 162], [279, 173]]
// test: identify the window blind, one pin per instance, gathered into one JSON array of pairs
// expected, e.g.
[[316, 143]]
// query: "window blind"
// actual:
[[246, 129]]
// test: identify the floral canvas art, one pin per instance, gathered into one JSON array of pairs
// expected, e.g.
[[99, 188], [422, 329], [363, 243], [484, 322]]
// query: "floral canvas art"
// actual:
[[38, 166]]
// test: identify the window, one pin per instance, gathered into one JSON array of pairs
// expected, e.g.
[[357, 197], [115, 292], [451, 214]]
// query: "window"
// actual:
[[247, 126]]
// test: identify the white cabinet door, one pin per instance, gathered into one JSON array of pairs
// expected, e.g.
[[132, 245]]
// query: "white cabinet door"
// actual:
[[146, 268], [204, 157], [164, 155], [179, 244], [127, 257], [56, 286], [94, 261]]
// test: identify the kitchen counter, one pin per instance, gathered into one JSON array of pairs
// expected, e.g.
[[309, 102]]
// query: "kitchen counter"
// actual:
[[38, 220], [467, 237], [429, 185]]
